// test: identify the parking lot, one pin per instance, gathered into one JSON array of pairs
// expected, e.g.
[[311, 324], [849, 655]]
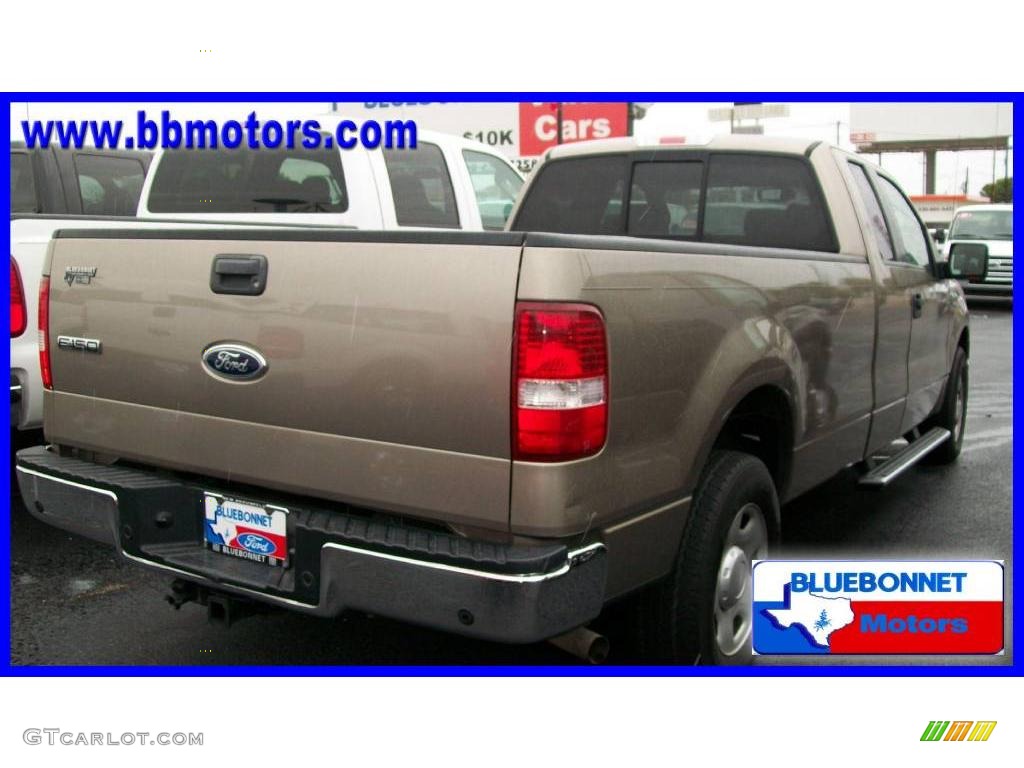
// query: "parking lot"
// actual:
[[74, 602]]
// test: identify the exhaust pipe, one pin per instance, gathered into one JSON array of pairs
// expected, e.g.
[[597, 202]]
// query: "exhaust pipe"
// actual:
[[584, 644]]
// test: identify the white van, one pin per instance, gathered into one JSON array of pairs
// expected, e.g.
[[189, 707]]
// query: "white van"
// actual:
[[447, 182]]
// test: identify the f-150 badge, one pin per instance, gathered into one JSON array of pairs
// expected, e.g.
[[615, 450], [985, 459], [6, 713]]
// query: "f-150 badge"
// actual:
[[82, 345], [80, 275]]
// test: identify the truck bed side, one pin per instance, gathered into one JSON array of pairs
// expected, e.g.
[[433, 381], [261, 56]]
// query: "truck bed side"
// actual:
[[692, 330]]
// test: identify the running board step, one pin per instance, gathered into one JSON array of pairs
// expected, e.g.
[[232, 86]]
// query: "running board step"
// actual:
[[903, 460]]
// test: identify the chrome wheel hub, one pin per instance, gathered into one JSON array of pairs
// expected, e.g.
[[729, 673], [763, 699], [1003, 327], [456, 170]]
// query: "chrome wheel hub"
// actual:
[[745, 541]]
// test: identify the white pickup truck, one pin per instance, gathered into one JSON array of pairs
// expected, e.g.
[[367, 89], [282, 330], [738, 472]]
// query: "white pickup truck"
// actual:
[[987, 229], [49, 186], [447, 182]]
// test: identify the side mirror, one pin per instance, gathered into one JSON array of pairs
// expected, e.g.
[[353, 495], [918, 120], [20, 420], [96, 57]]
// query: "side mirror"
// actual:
[[968, 261], [940, 236]]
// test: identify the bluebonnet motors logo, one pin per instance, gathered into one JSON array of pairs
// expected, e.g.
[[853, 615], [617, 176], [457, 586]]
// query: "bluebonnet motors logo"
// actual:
[[248, 530], [866, 607]]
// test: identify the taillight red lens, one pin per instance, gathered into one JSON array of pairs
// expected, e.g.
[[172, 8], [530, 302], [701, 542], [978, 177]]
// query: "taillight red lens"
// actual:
[[560, 382], [44, 333], [19, 313]]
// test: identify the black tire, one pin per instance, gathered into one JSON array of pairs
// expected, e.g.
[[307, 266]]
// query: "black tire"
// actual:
[[953, 413], [678, 618]]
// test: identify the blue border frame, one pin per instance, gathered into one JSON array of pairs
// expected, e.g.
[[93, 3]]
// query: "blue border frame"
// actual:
[[1014, 670]]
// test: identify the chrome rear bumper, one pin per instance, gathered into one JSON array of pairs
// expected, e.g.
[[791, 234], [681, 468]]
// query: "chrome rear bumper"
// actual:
[[339, 560]]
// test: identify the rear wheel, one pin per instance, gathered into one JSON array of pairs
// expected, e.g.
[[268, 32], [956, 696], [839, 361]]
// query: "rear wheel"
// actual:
[[953, 413], [703, 612]]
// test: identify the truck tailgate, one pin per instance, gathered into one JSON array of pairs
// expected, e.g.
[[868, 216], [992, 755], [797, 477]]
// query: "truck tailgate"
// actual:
[[387, 356]]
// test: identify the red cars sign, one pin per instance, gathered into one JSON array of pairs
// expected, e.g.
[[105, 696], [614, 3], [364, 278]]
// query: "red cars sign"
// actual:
[[538, 124], [522, 131]]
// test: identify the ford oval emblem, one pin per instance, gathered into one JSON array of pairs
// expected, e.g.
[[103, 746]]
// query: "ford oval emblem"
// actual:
[[258, 545], [234, 362]]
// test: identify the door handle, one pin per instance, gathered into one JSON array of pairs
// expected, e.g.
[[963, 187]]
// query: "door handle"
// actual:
[[239, 274], [917, 302]]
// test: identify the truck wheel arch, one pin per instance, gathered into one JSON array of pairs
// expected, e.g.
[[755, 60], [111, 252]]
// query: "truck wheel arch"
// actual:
[[759, 420]]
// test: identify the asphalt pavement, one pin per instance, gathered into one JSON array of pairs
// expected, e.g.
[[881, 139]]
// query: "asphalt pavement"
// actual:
[[75, 603]]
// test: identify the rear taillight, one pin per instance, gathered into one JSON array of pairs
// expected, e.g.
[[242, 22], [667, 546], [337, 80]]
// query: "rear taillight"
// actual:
[[44, 333], [559, 382], [19, 313]]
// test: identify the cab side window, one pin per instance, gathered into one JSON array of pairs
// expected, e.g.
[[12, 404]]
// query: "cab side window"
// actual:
[[911, 243], [495, 185], [876, 220]]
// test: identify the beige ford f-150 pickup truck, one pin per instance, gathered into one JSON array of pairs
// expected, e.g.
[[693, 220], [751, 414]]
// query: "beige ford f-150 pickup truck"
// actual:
[[497, 434]]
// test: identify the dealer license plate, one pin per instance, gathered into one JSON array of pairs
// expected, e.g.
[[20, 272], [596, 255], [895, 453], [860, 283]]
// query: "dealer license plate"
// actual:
[[244, 529]]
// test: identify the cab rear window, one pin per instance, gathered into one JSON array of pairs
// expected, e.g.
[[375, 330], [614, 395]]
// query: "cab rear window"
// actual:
[[739, 198], [249, 181], [109, 186], [578, 196], [23, 187], [765, 200]]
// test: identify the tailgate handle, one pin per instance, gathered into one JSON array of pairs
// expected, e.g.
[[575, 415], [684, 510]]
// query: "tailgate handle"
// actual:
[[239, 274]]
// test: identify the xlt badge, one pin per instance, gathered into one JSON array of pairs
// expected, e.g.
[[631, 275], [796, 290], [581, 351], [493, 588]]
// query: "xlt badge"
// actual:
[[80, 275]]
